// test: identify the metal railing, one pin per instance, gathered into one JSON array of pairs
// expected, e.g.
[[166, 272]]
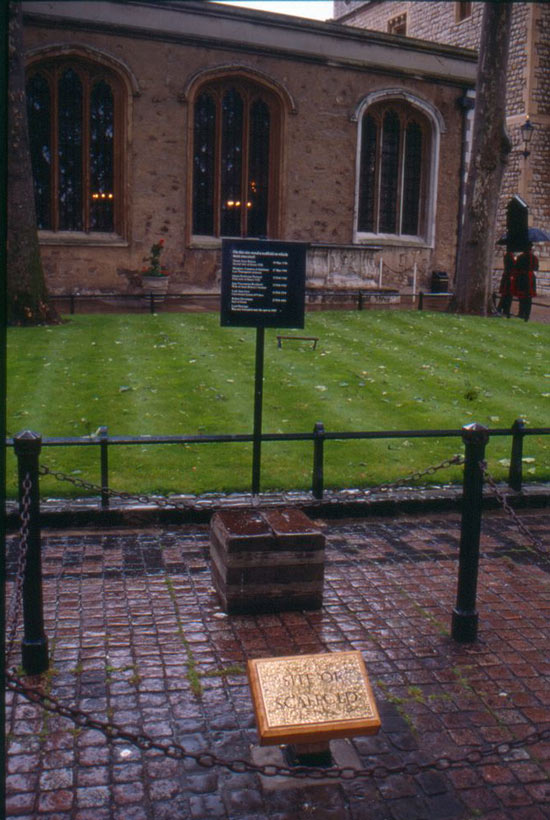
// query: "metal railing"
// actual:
[[34, 645], [28, 446], [322, 297], [319, 436], [332, 297], [142, 301]]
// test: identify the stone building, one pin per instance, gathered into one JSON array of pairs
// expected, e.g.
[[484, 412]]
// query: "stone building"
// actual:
[[528, 85], [190, 121]]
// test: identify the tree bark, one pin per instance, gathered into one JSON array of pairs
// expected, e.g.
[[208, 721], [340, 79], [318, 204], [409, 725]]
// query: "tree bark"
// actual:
[[27, 295], [490, 149]]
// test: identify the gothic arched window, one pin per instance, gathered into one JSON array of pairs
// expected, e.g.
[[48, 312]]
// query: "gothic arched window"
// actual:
[[394, 170], [74, 110], [236, 136]]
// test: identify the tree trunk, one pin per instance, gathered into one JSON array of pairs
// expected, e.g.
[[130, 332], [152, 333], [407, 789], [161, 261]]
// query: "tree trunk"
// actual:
[[27, 296], [490, 149]]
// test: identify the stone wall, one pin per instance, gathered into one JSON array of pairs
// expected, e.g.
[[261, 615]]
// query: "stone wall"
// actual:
[[539, 162], [541, 93], [517, 62], [425, 20], [528, 87], [318, 179]]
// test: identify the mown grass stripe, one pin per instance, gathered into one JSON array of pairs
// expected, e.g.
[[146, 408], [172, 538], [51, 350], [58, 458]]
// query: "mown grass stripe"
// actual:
[[183, 373]]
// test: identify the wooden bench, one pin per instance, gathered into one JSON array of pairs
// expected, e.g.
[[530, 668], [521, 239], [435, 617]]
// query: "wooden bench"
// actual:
[[313, 339]]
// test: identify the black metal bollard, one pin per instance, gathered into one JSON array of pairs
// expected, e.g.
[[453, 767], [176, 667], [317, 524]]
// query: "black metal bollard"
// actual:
[[151, 302], [515, 473], [34, 646], [421, 300], [318, 457], [104, 451], [465, 617]]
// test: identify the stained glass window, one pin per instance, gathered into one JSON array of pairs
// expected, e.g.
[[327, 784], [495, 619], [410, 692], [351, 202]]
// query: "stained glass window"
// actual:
[[231, 163], [204, 165], [39, 115], [73, 108], [412, 178], [258, 178], [70, 125], [394, 142], [232, 159], [389, 170], [367, 175], [101, 157]]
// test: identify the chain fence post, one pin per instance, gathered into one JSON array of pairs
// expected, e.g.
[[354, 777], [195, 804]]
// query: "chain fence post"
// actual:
[[515, 474], [465, 618], [34, 646], [103, 435], [318, 459]]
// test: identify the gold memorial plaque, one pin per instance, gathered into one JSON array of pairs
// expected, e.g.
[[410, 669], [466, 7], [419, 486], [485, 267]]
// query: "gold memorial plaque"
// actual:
[[310, 698]]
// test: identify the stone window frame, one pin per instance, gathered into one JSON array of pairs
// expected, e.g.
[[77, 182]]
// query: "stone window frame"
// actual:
[[86, 60], [463, 11], [281, 105], [429, 185], [398, 25]]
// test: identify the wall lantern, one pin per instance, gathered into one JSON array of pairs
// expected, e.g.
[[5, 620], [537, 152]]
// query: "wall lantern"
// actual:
[[527, 133]]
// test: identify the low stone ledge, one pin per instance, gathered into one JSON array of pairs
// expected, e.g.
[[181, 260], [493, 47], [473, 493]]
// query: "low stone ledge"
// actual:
[[87, 512]]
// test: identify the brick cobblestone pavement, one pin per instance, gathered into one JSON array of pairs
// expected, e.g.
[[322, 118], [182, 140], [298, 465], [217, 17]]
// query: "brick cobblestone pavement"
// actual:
[[137, 636]]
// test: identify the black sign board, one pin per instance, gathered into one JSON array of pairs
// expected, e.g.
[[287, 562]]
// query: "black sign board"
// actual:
[[263, 283]]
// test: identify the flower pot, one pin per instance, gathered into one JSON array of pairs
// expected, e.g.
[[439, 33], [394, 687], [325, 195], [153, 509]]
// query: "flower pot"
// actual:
[[157, 285]]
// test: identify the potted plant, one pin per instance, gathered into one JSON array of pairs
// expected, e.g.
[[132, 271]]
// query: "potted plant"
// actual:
[[154, 277]]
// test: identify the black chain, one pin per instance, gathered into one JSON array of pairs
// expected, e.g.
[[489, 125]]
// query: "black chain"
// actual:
[[86, 485], [503, 499], [400, 482], [17, 597], [207, 759], [166, 503]]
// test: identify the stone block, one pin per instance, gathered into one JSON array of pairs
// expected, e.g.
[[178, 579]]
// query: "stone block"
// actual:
[[266, 561]]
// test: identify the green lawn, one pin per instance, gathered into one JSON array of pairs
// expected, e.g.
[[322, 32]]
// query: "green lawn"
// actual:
[[184, 374]]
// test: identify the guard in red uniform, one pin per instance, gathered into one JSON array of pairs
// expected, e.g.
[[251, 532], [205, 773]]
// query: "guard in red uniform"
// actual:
[[526, 281]]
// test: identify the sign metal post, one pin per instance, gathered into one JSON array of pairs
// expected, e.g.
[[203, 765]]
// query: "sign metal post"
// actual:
[[263, 285], [258, 407]]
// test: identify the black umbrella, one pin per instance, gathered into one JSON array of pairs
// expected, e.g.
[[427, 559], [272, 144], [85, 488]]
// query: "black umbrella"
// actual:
[[533, 235]]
